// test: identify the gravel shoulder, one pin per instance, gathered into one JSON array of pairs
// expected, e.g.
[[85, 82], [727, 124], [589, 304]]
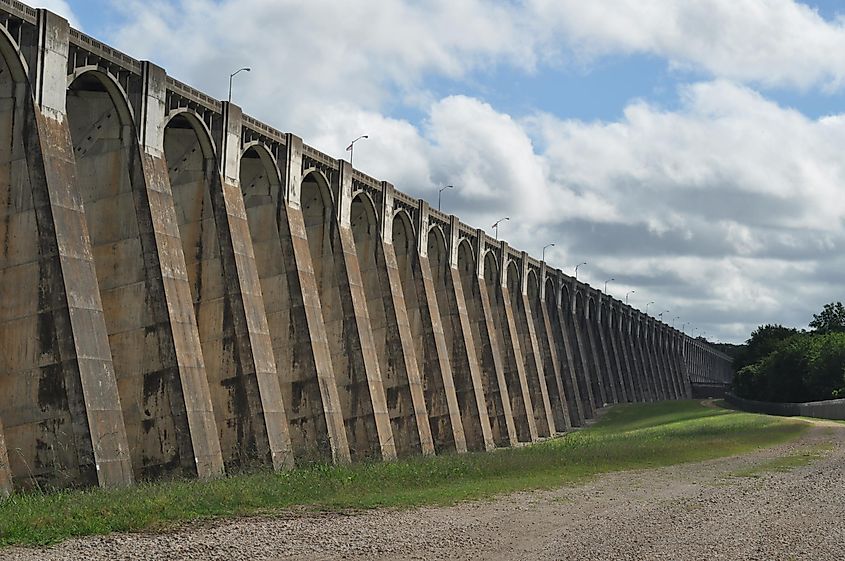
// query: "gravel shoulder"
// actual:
[[692, 511]]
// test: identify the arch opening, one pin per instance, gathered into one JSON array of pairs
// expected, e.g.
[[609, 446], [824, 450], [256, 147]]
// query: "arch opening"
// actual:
[[514, 280], [196, 188], [364, 222], [334, 270], [317, 210], [275, 259], [533, 288], [491, 270], [551, 296], [404, 244], [438, 256], [105, 150], [259, 176]]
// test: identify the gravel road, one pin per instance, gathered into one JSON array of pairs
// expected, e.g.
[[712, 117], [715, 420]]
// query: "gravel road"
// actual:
[[694, 511]]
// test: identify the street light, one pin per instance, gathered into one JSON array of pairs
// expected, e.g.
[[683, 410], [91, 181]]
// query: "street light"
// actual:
[[576, 269], [232, 77], [440, 192], [660, 315], [351, 147], [496, 225], [674, 319], [647, 305], [545, 247], [628, 294], [605, 284], [684, 328]]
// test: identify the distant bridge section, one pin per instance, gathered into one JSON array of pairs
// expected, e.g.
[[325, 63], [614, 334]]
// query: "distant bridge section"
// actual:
[[710, 371], [187, 291]]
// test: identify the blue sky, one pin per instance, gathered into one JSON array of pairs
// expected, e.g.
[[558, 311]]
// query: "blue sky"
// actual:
[[595, 91], [689, 150]]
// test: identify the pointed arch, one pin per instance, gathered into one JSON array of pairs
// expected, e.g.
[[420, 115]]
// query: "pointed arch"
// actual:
[[259, 172], [184, 118], [533, 287]]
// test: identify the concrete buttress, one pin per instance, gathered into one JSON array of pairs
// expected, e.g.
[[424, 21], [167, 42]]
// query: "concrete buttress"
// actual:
[[451, 302], [517, 380], [5, 471], [373, 231], [586, 378], [292, 303], [549, 352], [152, 328], [441, 399], [487, 341], [527, 295], [326, 204], [60, 404]]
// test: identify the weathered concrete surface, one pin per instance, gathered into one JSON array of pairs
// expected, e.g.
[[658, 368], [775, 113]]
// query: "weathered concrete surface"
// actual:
[[487, 352], [614, 365], [390, 326], [589, 397], [165, 396], [535, 373], [465, 367], [268, 436], [451, 303], [566, 354], [548, 349], [517, 382], [621, 371], [344, 312], [5, 470], [430, 348], [60, 404]]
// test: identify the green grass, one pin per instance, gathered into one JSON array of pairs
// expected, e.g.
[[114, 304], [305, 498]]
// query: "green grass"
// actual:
[[628, 437]]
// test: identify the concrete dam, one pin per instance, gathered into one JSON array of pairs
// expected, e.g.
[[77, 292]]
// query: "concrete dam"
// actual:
[[186, 291]]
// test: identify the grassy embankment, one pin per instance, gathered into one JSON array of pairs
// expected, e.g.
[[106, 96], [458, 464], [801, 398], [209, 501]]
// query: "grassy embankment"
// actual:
[[628, 437]]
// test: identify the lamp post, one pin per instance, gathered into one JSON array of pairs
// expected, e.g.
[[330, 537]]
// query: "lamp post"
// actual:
[[605, 284], [684, 328], [576, 269], [674, 319], [628, 294], [232, 77], [496, 225], [545, 247], [660, 315], [440, 192], [647, 305], [351, 147]]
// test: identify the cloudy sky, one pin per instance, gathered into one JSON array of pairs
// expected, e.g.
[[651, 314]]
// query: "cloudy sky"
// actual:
[[692, 151]]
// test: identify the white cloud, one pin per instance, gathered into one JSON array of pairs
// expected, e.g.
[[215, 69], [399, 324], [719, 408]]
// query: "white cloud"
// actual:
[[60, 7], [369, 50], [769, 42], [728, 210]]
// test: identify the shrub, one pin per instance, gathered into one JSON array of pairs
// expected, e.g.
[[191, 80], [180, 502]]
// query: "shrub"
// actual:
[[804, 367]]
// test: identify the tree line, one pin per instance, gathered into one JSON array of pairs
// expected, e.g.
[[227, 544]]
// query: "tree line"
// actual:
[[784, 364]]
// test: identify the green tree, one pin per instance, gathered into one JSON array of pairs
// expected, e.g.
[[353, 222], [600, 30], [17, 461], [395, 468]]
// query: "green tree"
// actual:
[[763, 341], [830, 320]]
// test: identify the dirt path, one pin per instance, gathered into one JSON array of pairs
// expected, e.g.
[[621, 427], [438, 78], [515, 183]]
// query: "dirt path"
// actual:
[[693, 511]]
